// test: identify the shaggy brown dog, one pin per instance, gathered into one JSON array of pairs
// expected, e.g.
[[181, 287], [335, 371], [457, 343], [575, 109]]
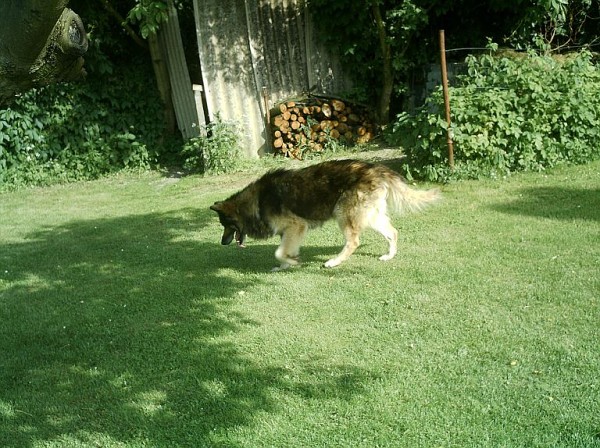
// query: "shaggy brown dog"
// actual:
[[289, 202]]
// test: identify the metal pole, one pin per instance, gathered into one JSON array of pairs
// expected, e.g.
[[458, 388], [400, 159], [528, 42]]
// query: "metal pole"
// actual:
[[446, 99]]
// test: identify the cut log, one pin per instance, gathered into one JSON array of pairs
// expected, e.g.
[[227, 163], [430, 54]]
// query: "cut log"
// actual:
[[277, 121], [285, 127], [310, 125], [353, 118], [326, 125], [338, 105], [342, 128]]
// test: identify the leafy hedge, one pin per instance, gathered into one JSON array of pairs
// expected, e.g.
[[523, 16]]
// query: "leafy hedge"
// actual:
[[78, 131], [509, 114]]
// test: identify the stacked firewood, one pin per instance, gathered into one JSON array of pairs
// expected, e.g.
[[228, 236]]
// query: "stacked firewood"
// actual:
[[308, 126]]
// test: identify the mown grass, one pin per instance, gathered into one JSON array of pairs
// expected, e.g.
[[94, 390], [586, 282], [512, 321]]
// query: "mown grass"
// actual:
[[124, 323]]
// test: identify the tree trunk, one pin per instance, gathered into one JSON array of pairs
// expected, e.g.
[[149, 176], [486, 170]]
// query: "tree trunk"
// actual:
[[41, 42], [387, 84]]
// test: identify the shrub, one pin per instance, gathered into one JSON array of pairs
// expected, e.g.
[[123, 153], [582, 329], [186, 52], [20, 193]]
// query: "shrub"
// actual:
[[215, 151], [80, 131], [508, 114]]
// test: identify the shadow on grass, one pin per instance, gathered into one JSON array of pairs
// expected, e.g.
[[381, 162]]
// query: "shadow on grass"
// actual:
[[259, 257], [555, 203], [114, 331]]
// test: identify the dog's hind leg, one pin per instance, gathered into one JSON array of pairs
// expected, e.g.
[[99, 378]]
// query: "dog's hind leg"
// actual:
[[381, 223]]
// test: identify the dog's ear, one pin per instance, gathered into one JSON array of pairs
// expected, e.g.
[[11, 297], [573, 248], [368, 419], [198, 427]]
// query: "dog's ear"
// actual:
[[224, 207]]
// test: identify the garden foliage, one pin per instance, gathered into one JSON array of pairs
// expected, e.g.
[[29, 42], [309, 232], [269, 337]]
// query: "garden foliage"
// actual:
[[509, 113], [216, 150], [76, 131]]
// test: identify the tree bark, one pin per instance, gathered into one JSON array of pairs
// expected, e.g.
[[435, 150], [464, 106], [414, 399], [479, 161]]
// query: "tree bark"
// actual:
[[123, 23], [41, 42], [387, 84]]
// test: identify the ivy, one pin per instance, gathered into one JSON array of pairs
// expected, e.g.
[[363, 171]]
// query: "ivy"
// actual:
[[79, 131], [509, 114]]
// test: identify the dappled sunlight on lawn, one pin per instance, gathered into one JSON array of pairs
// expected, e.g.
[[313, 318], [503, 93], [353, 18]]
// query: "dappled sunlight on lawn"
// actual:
[[112, 333]]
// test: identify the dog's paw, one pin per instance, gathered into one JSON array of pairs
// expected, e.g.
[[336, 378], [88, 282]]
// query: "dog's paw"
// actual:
[[331, 263], [386, 257], [282, 267]]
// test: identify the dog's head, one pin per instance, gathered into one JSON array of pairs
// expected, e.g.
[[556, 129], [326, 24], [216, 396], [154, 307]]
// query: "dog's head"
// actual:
[[230, 220]]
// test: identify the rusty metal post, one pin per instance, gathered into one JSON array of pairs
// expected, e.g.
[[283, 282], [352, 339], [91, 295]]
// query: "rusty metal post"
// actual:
[[446, 99]]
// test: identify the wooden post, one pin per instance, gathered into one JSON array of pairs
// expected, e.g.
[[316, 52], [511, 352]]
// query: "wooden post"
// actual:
[[446, 99], [268, 139], [198, 91]]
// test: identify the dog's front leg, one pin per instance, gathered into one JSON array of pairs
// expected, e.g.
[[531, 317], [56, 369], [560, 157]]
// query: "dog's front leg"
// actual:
[[286, 260], [288, 252], [282, 267]]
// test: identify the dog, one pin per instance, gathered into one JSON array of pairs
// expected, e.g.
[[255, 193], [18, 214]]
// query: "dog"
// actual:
[[288, 202]]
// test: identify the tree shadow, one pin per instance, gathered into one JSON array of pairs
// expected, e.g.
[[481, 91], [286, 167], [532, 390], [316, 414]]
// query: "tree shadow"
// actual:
[[115, 330], [561, 203]]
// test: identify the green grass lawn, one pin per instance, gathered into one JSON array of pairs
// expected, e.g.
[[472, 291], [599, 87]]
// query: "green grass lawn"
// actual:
[[124, 322]]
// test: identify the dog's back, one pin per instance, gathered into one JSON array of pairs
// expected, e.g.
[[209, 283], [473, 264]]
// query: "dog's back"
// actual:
[[312, 193]]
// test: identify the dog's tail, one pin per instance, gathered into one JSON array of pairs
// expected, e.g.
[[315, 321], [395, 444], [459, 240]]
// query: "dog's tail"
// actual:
[[403, 198]]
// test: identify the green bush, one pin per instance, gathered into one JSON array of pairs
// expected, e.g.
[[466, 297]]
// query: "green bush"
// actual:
[[216, 150], [78, 131], [508, 114]]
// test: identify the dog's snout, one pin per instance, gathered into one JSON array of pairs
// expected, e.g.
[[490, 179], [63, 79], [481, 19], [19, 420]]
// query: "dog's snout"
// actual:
[[228, 235]]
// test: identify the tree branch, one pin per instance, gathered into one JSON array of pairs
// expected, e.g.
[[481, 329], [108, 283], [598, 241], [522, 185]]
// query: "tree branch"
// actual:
[[41, 42], [130, 31]]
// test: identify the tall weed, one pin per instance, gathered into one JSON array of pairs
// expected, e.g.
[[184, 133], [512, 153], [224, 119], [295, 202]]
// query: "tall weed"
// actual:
[[216, 150]]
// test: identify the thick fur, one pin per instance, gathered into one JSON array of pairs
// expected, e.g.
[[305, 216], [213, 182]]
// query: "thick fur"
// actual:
[[289, 202]]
